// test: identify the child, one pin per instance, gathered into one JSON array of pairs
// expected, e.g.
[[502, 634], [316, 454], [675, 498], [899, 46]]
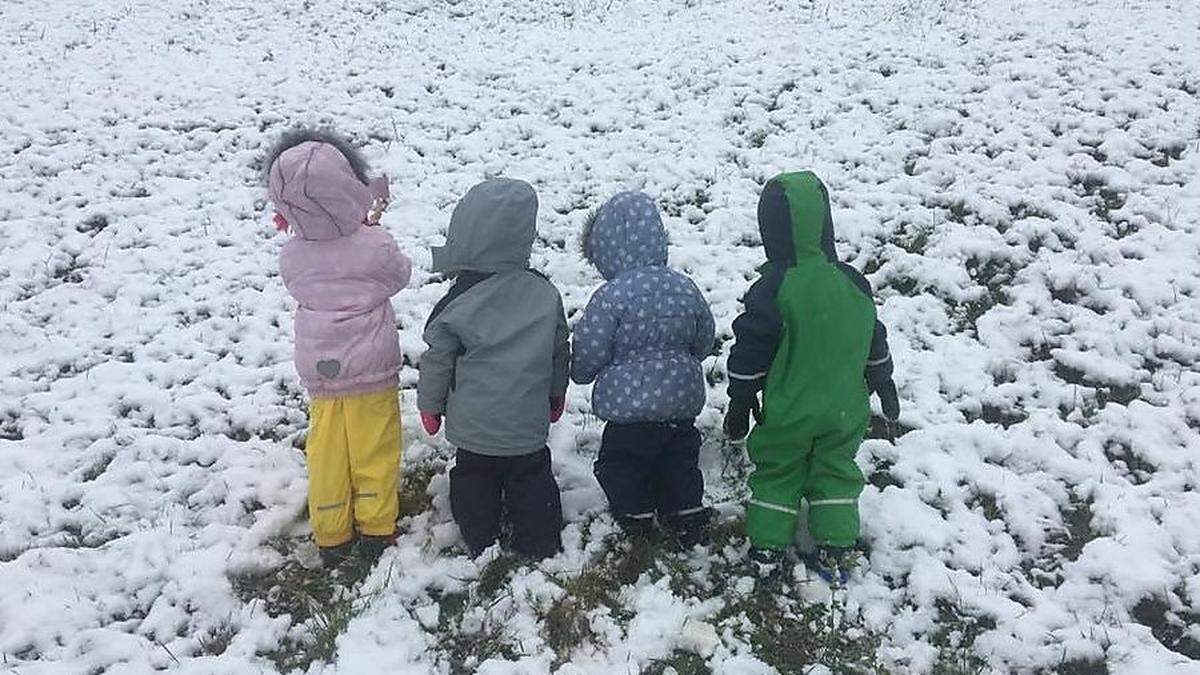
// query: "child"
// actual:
[[496, 368], [808, 340], [343, 272], [641, 339]]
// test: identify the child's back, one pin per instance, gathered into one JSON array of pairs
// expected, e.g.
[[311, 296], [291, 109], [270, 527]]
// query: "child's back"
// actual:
[[810, 342], [497, 355], [645, 330], [642, 339], [342, 273]]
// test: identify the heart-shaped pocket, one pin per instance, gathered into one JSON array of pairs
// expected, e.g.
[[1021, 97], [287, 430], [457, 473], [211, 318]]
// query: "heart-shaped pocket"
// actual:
[[329, 368]]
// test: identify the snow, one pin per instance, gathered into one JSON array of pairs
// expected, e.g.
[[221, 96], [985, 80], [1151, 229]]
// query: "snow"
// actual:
[[1019, 181]]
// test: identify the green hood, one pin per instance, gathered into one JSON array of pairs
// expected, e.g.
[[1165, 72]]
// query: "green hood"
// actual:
[[794, 219]]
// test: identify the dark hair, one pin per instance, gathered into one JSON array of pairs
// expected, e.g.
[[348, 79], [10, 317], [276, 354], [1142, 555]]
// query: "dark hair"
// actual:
[[585, 237], [293, 137]]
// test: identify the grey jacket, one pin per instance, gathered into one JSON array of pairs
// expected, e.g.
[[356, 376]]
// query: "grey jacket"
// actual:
[[498, 342]]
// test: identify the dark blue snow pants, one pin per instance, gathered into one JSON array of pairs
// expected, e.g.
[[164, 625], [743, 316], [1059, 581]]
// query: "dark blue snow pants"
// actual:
[[649, 469]]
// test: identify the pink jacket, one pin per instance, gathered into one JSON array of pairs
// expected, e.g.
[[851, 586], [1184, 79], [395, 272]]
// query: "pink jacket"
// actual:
[[341, 272]]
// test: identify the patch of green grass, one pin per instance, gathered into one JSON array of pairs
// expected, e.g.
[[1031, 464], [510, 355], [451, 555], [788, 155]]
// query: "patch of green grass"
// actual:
[[1108, 200], [10, 428], [727, 532], [959, 211], [903, 284], [74, 536], [1004, 416], [450, 609], [466, 645], [322, 601], [1122, 394], [792, 636], [915, 238], [1167, 626], [216, 641], [467, 651], [496, 575], [678, 663], [881, 475], [97, 468], [986, 503], [1131, 464], [565, 627], [1063, 545], [1164, 155], [955, 638], [967, 314], [1023, 209], [1077, 667], [414, 489], [882, 429]]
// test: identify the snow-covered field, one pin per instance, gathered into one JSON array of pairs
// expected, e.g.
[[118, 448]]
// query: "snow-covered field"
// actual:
[[1020, 181]]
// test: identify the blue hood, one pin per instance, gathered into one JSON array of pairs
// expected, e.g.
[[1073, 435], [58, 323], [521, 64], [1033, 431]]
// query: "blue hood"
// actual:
[[627, 233]]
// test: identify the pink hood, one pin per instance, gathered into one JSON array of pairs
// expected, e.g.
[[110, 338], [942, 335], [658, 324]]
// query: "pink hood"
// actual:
[[341, 273], [315, 189]]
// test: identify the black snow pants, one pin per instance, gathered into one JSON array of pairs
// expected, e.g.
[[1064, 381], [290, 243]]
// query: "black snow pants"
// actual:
[[486, 489]]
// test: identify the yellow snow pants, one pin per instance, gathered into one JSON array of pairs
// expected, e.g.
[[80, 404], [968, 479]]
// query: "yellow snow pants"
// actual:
[[353, 453]]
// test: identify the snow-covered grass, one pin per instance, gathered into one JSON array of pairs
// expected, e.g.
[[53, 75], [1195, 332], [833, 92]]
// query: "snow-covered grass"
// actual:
[[1019, 181]]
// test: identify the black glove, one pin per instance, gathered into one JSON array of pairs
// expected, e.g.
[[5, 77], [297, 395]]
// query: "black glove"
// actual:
[[879, 381], [889, 400], [737, 418]]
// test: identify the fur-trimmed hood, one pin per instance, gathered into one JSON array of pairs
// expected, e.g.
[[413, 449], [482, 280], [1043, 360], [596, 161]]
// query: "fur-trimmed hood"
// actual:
[[626, 233], [318, 182]]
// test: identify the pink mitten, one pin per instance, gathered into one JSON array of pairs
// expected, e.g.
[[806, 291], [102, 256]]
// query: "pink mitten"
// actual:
[[432, 423], [380, 196]]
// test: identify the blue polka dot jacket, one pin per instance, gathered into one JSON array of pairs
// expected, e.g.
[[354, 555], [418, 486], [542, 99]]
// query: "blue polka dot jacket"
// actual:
[[645, 332]]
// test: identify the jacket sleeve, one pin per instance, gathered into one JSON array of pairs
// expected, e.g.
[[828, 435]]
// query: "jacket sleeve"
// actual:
[[756, 337], [562, 355], [390, 269], [879, 374], [879, 368], [593, 349], [437, 366], [397, 268], [879, 363], [706, 327]]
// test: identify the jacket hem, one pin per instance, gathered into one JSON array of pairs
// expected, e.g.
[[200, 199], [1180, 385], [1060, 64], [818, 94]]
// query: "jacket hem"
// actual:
[[373, 387], [482, 449]]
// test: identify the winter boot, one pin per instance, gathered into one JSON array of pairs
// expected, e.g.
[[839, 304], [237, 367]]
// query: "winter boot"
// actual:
[[832, 563], [371, 547], [637, 528], [333, 557], [689, 530], [768, 566]]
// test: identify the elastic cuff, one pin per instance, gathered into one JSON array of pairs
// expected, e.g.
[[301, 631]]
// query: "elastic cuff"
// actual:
[[637, 516], [834, 501], [836, 543], [773, 507], [747, 378], [382, 531], [333, 542]]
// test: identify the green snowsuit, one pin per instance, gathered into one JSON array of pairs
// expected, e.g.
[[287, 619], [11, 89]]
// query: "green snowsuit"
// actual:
[[810, 341]]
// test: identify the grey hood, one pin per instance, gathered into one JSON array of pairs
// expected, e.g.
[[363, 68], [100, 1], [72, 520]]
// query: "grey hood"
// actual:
[[491, 230]]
